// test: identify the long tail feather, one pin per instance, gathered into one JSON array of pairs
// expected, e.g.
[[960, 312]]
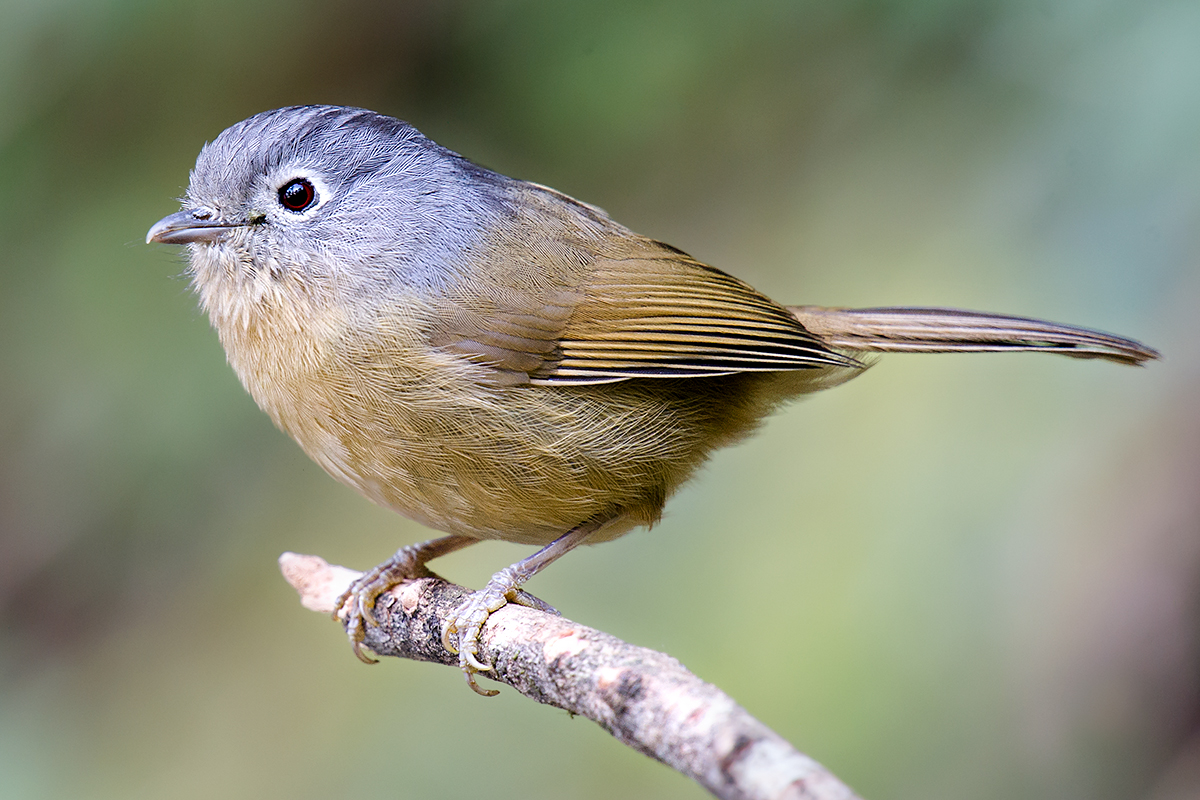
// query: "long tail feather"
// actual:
[[948, 330]]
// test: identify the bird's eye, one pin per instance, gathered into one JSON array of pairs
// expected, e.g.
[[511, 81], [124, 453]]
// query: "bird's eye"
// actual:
[[297, 194]]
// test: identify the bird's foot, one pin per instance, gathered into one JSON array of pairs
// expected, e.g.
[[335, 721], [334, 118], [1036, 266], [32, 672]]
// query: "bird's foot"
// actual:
[[462, 630], [356, 606]]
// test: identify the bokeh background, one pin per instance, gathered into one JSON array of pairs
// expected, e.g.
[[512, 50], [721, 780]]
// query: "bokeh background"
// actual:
[[956, 577]]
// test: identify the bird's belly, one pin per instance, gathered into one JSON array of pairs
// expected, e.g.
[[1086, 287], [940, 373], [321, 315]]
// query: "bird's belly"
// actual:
[[418, 431], [523, 464]]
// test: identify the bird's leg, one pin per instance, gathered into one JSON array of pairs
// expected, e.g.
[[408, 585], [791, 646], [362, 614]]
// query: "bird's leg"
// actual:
[[357, 604], [466, 623]]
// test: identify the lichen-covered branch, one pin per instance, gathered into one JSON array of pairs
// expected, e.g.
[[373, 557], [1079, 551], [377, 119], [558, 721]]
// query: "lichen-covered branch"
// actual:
[[644, 698]]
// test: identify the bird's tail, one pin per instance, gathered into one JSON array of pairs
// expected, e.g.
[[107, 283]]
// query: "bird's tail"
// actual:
[[948, 330]]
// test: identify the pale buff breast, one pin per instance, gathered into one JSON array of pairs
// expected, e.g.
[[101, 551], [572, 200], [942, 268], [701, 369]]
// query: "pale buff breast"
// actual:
[[411, 427], [427, 433]]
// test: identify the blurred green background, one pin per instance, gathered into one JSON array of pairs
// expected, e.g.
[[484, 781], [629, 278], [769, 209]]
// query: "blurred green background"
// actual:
[[956, 577]]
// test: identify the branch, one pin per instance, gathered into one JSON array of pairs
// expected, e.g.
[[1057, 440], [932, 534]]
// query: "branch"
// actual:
[[644, 698]]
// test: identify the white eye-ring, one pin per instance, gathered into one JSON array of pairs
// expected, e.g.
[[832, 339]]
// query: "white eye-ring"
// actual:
[[299, 191], [298, 194]]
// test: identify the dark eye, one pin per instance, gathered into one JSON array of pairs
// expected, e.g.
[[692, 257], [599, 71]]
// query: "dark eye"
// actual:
[[297, 194]]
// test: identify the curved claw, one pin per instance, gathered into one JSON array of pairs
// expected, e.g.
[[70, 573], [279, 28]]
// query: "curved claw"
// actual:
[[350, 607], [356, 606], [358, 651], [467, 662], [449, 628], [470, 635], [462, 630], [474, 663], [476, 688]]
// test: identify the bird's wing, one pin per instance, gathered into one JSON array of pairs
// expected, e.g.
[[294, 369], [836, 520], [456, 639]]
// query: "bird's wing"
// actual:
[[668, 316], [600, 308]]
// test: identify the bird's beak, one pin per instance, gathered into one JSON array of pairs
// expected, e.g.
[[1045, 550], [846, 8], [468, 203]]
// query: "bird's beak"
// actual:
[[187, 226]]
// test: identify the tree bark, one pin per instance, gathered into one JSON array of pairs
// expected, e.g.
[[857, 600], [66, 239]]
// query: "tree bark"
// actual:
[[644, 698]]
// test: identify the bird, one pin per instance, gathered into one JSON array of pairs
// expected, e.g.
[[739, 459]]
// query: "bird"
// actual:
[[497, 360]]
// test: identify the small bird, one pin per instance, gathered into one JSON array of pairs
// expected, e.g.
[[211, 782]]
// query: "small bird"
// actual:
[[497, 360]]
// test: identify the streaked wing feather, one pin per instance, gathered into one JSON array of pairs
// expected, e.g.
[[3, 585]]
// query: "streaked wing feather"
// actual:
[[646, 312], [559, 293], [672, 317]]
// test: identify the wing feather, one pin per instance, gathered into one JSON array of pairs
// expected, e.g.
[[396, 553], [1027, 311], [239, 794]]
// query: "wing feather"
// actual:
[[596, 303]]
